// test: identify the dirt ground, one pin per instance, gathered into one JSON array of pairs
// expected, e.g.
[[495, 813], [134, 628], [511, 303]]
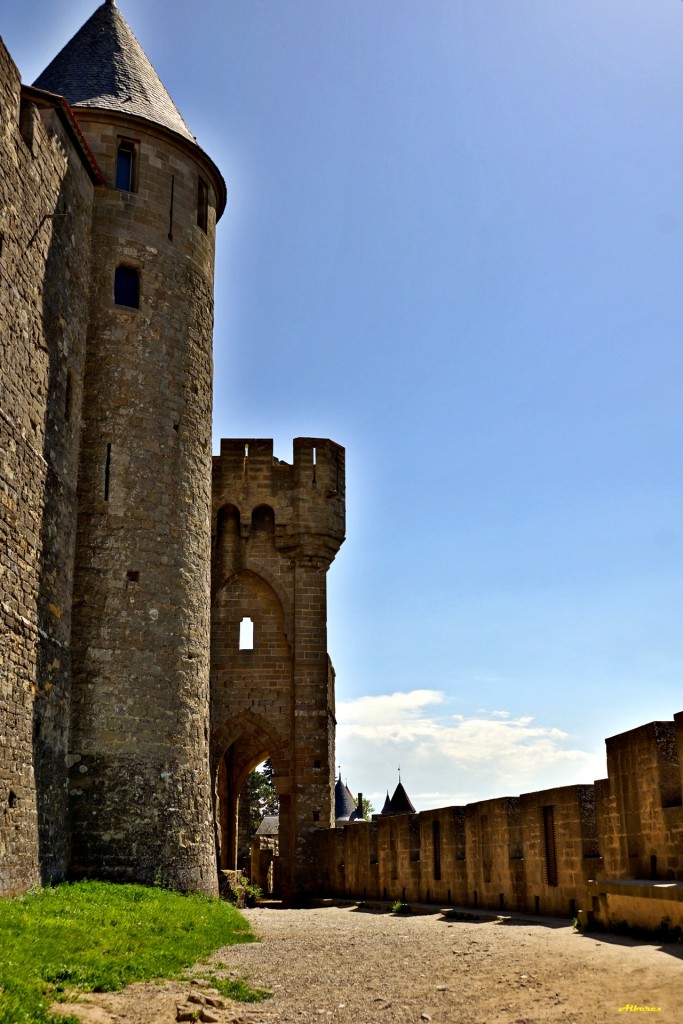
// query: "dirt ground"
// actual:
[[351, 966]]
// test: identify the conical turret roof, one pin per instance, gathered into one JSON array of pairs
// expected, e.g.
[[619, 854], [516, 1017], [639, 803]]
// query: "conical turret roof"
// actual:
[[344, 804], [103, 66], [400, 802]]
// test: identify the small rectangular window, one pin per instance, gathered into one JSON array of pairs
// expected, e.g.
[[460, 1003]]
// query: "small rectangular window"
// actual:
[[202, 205], [246, 634], [125, 166], [127, 287]]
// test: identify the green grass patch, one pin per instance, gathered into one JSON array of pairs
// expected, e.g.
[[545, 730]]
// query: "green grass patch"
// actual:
[[95, 936], [399, 907], [237, 988]]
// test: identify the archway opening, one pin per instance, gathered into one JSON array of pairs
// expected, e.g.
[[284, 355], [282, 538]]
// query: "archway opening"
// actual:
[[248, 806]]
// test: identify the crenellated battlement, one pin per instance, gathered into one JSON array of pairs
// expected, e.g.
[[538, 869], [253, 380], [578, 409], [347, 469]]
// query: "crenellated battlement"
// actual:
[[307, 496]]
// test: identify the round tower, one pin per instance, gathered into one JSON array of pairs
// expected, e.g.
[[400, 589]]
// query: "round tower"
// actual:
[[140, 789]]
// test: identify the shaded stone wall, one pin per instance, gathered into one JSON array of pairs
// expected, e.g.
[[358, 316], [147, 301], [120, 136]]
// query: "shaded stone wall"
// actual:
[[46, 196], [641, 811], [276, 528], [139, 747], [536, 853]]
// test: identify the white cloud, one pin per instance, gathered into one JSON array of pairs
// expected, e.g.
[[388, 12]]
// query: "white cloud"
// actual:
[[453, 758]]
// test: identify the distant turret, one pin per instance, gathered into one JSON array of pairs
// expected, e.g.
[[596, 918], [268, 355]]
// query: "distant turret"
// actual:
[[400, 802], [344, 804]]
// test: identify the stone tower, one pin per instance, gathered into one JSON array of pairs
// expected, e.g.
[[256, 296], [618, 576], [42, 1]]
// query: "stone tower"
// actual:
[[275, 530], [139, 786]]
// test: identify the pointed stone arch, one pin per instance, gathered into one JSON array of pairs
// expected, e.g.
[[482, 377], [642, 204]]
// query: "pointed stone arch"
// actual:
[[261, 572], [238, 745]]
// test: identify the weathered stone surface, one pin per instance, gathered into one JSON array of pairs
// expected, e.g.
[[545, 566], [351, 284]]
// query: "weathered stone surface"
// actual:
[[105, 489], [46, 198], [141, 596], [276, 528], [566, 851]]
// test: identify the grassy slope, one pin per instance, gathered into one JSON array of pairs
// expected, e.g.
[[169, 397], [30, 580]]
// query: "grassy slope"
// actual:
[[96, 936]]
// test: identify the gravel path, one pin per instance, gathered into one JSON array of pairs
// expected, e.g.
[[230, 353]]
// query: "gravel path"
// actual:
[[351, 967]]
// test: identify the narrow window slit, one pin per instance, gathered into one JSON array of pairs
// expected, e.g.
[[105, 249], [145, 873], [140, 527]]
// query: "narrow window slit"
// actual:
[[246, 634], [170, 215], [436, 848], [550, 844], [68, 395], [107, 468], [125, 166], [202, 205]]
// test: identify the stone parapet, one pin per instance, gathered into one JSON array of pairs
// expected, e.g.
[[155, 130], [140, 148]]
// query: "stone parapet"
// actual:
[[553, 852]]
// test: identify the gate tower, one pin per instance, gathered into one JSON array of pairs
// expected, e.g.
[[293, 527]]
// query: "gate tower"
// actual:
[[276, 529]]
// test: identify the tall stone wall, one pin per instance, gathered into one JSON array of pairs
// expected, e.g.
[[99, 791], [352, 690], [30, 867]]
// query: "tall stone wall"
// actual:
[[276, 529], [140, 706], [564, 851], [46, 196]]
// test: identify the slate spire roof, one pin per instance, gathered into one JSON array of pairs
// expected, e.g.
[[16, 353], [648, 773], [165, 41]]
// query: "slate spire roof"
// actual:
[[344, 804], [400, 802], [103, 66]]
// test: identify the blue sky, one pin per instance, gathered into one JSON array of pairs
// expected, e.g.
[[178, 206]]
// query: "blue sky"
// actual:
[[453, 244]]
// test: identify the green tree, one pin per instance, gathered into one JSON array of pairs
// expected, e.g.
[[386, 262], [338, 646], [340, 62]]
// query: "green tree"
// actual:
[[261, 795], [368, 809]]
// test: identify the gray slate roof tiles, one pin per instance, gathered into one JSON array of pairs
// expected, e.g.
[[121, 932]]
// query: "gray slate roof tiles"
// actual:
[[400, 802], [270, 826], [344, 804], [104, 66]]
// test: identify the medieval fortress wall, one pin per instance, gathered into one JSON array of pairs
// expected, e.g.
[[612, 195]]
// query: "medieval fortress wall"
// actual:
[[114, 760], [44, 294], [131, 706], [105, 480], [608, 852]]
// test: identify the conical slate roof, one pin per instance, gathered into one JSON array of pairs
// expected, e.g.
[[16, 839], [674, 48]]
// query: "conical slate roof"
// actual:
[[344, 804], [387, 805], [105, 67], [400, 802]]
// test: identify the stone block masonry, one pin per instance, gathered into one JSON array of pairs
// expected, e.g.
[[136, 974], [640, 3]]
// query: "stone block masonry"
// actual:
[[106, 316], [46, 196], [608, 853], [276, 529], [140, 702]]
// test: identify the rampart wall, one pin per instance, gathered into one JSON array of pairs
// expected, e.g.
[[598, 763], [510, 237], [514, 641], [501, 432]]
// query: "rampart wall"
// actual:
[[613, 850], [46, 196]]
